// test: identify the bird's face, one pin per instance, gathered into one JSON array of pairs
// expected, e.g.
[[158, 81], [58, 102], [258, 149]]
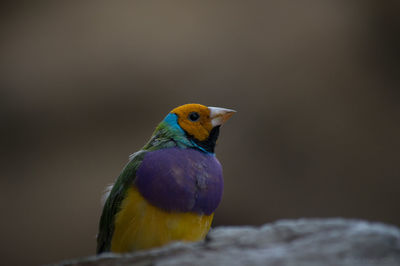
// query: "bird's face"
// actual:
[[198, 120], [199, 123]]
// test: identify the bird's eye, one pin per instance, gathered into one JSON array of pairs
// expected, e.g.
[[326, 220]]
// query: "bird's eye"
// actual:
[[194, 116]]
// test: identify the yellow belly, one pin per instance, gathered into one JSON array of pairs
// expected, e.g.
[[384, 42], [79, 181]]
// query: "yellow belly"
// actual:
[[140, 225]]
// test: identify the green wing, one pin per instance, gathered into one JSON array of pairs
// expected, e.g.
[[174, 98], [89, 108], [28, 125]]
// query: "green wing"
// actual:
[[113, 202], [161, 138]]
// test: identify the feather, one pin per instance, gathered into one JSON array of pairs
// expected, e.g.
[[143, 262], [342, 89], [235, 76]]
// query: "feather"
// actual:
[[106, 193]]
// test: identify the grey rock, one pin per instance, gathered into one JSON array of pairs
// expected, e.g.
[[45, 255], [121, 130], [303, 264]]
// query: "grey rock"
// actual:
[[285, 243]]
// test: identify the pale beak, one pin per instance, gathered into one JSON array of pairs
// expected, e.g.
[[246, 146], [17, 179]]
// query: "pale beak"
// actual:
[[219, 115]]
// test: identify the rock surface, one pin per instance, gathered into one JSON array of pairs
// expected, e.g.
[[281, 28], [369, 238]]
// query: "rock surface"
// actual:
[[284, 243]]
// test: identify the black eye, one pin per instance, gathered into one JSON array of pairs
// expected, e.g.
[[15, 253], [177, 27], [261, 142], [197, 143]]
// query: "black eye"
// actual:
[[194, 116]]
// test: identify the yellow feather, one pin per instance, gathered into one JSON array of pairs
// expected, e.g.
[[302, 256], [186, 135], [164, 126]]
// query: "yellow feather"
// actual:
[[140, 225]]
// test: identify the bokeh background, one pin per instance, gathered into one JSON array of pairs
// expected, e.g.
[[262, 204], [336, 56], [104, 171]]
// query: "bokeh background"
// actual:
[[83, 85]]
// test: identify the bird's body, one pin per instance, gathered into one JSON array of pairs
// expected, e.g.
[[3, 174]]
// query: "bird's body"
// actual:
[[154, 227], [170, 189]]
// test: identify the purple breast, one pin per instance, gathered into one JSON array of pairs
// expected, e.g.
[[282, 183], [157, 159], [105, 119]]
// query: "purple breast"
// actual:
[[183, 180]]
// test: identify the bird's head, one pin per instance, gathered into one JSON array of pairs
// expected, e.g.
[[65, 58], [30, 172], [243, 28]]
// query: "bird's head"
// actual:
[[196, 125]]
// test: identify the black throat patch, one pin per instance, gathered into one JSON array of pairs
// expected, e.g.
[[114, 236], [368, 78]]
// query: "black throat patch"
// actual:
[[209, 143]]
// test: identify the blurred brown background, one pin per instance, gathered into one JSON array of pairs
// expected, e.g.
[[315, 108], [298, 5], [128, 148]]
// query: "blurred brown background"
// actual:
[[83, 84]]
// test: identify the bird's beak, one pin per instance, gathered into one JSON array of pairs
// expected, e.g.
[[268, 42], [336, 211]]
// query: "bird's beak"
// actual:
[[219, 115]]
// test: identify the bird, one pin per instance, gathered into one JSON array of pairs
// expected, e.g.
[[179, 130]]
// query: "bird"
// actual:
[[169, 190]]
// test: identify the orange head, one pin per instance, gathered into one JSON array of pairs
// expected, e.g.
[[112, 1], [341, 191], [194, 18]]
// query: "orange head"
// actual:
[[198, 120], [194, 125]]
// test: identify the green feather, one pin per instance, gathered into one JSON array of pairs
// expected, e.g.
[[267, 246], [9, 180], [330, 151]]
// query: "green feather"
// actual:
[[163, 137], [113, 202]]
